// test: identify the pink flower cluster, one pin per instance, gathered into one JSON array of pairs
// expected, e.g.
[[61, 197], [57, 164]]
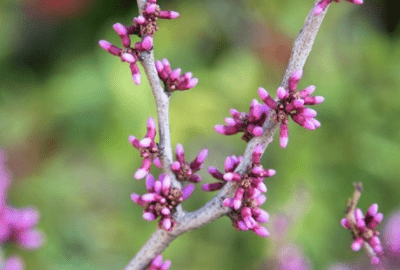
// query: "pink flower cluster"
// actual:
[[148, 149], [246, 214], [158, 264], [143, 26], [322, 5], [161, 200], [185, 171], [16, 225], [292, 103], [364, 230], [249, 123], [173, 79]]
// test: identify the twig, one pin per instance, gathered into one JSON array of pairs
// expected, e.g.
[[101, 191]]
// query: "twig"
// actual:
[[214, 208]]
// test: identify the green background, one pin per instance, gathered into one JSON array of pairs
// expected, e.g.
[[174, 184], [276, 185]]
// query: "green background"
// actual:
[[67, 109]]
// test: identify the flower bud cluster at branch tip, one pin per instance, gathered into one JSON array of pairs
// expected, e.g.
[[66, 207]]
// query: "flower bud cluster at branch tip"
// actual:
[[17, 225], [148, 149], [173, 80], [158, 264], [246, 214], [143, 26], [323, 4], [161, 200], [249, 123], [185, 171], [292, 103], [364, 230]]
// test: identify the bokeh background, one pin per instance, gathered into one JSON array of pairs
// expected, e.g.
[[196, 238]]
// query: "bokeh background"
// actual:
[[67, 109]]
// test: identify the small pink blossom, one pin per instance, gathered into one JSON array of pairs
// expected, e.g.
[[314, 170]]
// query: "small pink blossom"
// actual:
[[246, 214], [185, 171], [158, 264], [249, 123], [292, 103], [173, 79], [161, 200], [148, 149], [323, 4], [366, 232]]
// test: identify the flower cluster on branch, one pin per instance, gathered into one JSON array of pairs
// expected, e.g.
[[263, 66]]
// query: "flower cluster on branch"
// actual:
[[249, 123], [143, 26], [292, 103], [161, 200], [173, 80], [185, 171], [245, 214], [158, 264]]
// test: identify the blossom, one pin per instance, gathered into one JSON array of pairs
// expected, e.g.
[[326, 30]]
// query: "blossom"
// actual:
[[185, 171], [148, 149], [14, 263], [173, 79], [158, 264], [17, 225], [364, 230], [249, 123], [246, 214], [323, 4], [143, 26], [292, 103], [161, 200]]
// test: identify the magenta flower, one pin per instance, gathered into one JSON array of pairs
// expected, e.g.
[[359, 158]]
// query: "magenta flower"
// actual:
[[148, 149], [14, 263], [364, 230], [246, 214], [322, 5], [16, 224], [185, 171], [158, 264], [143, 26], [161, 200], [249, 123], [292, 103], [173, 80]]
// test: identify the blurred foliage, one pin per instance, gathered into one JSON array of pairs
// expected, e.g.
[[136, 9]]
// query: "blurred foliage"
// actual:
[[67, 108]]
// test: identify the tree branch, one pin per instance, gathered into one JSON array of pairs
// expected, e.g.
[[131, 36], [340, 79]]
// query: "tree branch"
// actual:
[[214, 208]]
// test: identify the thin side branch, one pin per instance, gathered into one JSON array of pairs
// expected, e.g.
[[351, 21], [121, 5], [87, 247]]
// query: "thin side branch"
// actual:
[[214, 208]]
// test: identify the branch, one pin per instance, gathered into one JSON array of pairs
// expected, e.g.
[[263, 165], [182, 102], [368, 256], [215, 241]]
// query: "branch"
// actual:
[[214, 208], [162, 103]]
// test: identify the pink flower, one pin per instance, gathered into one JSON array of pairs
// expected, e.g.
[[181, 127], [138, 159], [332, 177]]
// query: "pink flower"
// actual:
[[246, 214], [148, 149], [292, 103], [249, 123], [173, 79], [365, 230], [185, 171], [161, 200], [158, 264], [323, 4]]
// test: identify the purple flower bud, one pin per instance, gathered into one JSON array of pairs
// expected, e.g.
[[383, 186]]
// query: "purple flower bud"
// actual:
[[372, 210], [282, 93], [135, 73], [147, 43], [212, 186], [141, 19], [167, 224], [357, 244], [260, 215], [180, 153], [257, 152], [260, 230], [237, 202], [187, 191], [151, 8], [267, 98], [294, 80], [14, 263], [199, 160], [168, 14], [228, 202], [149, 216], [144, 169], [110, 48], [283, 135], [307, 91], [157, 162], [345, 223], [166, 185], [215, 173]]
